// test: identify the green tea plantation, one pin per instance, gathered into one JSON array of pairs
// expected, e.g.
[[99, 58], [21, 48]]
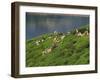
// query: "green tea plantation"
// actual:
[[55, 49]]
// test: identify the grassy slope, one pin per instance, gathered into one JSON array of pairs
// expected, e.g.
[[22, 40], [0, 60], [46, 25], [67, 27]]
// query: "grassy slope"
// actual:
[[72, 50]]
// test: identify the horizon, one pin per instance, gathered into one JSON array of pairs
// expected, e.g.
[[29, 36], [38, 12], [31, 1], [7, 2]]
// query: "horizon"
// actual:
[[42, 23]]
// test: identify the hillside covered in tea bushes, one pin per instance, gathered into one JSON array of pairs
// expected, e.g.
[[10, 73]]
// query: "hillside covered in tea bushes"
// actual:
[[53, 49]]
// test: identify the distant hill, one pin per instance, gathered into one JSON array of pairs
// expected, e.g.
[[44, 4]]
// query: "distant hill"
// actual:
[[71, 48]]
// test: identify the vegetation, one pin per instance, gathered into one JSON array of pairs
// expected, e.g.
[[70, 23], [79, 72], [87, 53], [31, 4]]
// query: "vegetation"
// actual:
[[59, 49]]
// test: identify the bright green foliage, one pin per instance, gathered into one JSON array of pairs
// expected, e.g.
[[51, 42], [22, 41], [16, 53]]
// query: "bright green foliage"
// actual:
[[72, 50]]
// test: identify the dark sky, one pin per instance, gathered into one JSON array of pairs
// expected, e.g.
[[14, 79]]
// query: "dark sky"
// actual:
[[41, 23]]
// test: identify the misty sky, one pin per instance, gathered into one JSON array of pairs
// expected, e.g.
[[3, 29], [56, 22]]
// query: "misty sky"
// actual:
[[41, 23]]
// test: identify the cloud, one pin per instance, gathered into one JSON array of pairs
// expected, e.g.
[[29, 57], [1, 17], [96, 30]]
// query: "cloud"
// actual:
[[37, 24]]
